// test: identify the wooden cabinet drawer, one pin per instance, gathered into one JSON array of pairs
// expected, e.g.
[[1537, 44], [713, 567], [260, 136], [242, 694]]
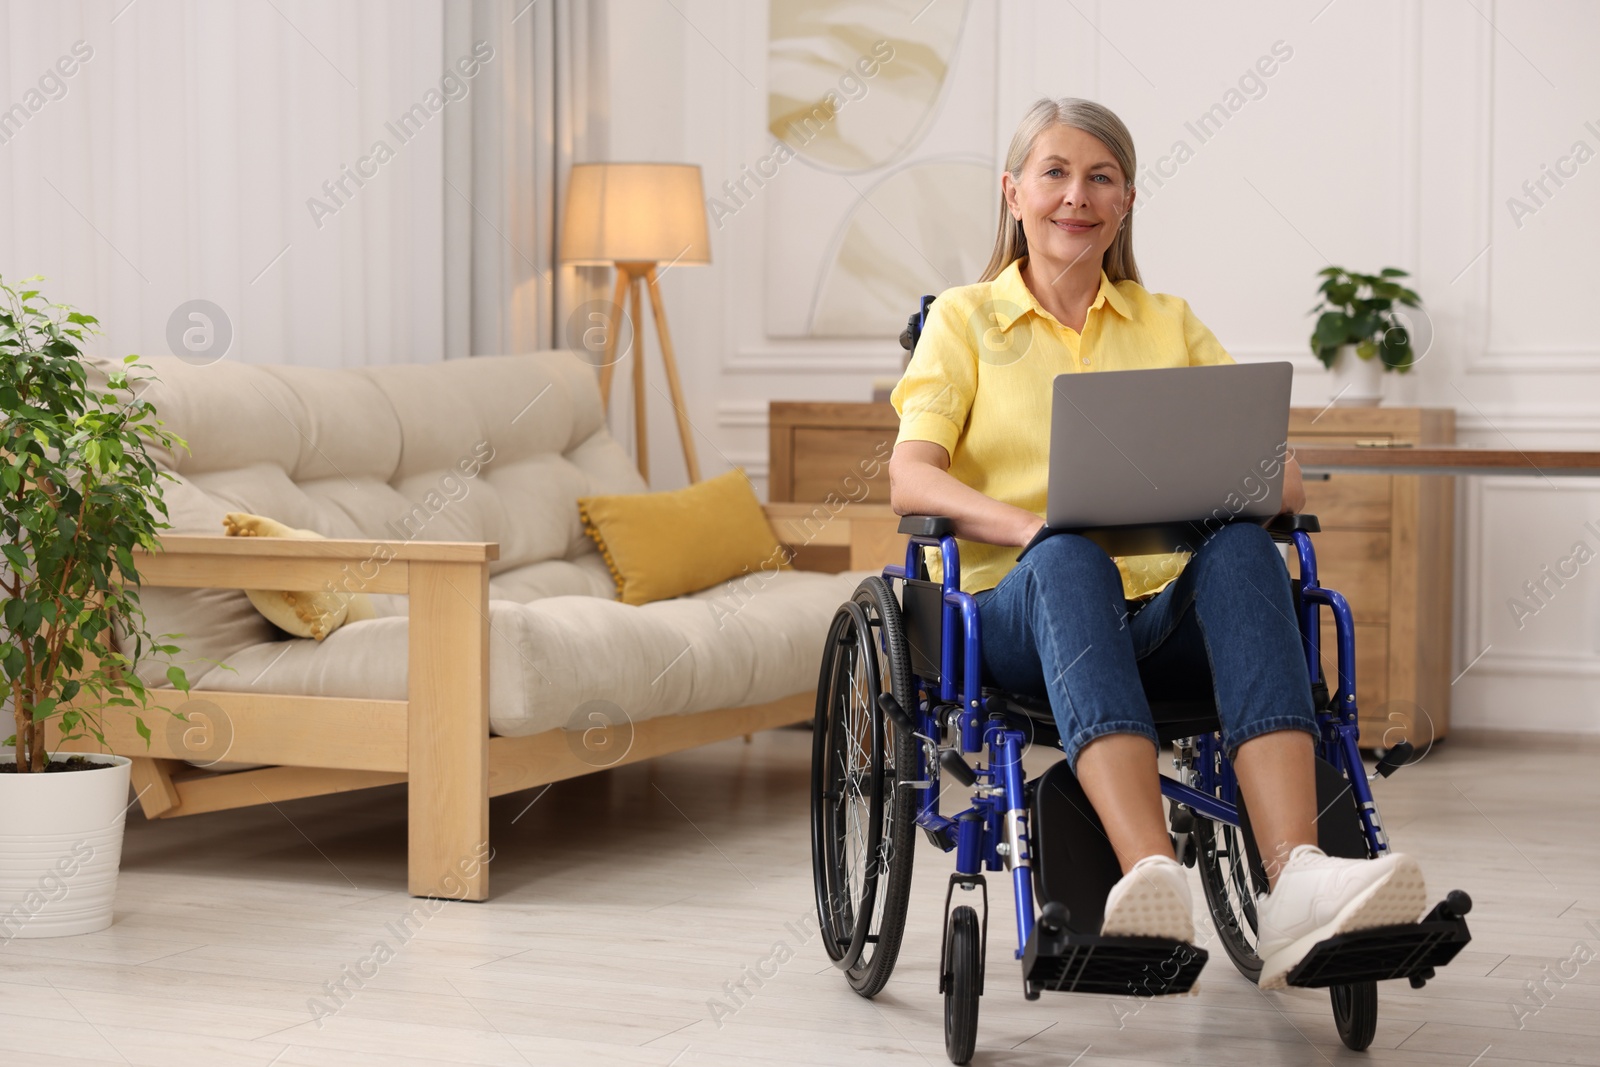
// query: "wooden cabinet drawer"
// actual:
[[1350, 501], [1356, 563], [828, 460]]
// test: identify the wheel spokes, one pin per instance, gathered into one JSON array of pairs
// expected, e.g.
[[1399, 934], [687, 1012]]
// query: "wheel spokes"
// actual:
[[855, 772]]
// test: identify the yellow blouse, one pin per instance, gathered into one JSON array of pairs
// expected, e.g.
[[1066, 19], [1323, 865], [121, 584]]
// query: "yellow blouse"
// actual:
[[979, 385]]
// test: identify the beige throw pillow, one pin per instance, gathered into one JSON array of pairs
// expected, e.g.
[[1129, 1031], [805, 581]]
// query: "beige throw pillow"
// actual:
[[304, 614]]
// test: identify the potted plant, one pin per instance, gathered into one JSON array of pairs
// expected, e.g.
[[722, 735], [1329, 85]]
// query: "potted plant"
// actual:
[[79, 492], [1359, 335]]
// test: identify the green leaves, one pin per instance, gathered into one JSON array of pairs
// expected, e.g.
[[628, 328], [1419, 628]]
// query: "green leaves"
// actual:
[[79, 491], [1358, 309], [1332, 330], [1395, 348]]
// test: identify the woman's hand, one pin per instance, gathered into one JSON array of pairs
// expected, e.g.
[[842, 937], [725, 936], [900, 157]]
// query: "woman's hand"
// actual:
[[1294, 487]]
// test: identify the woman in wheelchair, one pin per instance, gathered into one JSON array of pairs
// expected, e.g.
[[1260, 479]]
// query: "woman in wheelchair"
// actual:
[[1099, 636]]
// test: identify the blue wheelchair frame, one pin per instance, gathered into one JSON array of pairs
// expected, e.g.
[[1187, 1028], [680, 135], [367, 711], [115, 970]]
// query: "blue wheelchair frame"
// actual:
[[999, 800]]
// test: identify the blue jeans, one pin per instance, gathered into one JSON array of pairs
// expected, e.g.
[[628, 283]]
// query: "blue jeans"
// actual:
[[1057, 626]]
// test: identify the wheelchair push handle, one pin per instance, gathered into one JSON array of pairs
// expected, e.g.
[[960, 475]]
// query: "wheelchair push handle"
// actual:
[[913, 331]]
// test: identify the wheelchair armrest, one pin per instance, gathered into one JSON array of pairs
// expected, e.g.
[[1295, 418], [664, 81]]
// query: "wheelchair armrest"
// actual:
[[1282, 527], [927, 525]]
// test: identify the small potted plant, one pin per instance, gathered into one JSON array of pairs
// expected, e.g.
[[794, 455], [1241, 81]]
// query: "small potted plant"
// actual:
[[79, 492], [1359, 335]]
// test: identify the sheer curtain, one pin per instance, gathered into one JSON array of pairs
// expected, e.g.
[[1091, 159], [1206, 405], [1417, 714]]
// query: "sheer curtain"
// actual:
[[183, 157], [166, 151], [538, 107]]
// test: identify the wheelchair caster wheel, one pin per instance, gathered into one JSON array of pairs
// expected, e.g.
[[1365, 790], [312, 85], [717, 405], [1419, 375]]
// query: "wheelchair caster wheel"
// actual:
[[961, 982], [1182, 820], [1185, 849], [1355, 1013]]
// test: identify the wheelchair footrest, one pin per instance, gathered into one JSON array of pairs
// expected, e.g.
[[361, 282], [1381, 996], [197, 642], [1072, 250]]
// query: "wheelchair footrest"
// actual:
[[1385, 952], [1089, 963]]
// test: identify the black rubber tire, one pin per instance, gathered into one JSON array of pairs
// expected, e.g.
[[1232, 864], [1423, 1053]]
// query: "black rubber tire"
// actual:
[[1230, 888], [1222, 860], [862, 902], [961, 981], [843, 740], [898, 838], [1355, 1013]]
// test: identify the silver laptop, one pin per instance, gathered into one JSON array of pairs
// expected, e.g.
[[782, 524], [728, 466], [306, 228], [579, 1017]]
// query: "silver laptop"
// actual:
[[1190, 447]]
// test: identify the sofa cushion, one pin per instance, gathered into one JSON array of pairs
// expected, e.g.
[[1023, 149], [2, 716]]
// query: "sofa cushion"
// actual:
[[747, 641], [495, 448]]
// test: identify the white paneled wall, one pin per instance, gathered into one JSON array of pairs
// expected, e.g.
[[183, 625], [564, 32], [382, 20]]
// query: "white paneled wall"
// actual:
[[181, 158], [1395, 134]]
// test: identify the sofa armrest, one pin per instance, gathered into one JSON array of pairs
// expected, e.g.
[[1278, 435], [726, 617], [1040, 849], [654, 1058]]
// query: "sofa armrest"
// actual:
[[443, 726], [188, 561], [867, 530], [330, 548]]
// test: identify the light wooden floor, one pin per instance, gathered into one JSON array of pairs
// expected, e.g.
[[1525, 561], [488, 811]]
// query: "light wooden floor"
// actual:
[[624, 902]]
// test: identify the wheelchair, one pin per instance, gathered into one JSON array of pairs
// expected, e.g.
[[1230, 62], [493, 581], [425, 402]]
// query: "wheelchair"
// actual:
[[900, 699]]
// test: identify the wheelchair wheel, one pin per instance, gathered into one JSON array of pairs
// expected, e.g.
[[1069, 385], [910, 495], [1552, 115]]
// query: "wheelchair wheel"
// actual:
[[961, 979], [862, 817], [1230, 887], [1355, 1013]]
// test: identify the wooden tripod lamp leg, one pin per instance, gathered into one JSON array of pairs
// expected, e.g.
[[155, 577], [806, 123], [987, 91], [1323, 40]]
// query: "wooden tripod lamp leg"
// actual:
[[641, 439], [685, 434], [613, 331]]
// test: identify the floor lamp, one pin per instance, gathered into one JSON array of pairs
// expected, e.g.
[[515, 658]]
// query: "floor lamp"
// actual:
[[635, 216]]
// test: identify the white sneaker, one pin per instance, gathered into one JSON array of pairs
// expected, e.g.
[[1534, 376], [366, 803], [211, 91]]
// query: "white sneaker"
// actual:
[[1151, 900], [1319, 896]]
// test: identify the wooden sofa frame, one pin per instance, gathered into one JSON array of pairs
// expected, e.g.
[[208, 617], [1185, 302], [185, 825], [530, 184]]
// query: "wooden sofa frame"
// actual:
[[436, 740]]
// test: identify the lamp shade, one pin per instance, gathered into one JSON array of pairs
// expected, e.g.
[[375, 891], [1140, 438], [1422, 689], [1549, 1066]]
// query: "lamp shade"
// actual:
[[635, 213]]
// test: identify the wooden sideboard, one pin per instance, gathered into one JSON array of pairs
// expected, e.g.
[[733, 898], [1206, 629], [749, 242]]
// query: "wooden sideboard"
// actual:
[[1388, 544], [1387, 541]]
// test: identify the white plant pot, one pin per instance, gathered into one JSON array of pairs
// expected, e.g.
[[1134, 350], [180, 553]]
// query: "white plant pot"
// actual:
[[60, 847], [1357, 382]]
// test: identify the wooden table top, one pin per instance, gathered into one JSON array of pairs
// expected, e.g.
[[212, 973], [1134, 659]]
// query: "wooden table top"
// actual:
[[1446, 459]]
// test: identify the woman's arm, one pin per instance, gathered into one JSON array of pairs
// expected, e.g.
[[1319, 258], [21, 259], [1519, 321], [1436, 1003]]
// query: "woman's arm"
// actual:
[[920, 483], [1294, 487]]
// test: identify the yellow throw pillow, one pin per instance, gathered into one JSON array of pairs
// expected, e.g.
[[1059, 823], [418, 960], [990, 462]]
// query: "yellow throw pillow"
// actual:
[[661, 545], [303, 614]]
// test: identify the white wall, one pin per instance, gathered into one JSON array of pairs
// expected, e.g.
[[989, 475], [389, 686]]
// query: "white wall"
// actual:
[[1394, 136]]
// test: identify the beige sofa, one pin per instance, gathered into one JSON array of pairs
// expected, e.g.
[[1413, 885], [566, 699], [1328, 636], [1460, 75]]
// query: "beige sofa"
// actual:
[[499, 659]]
